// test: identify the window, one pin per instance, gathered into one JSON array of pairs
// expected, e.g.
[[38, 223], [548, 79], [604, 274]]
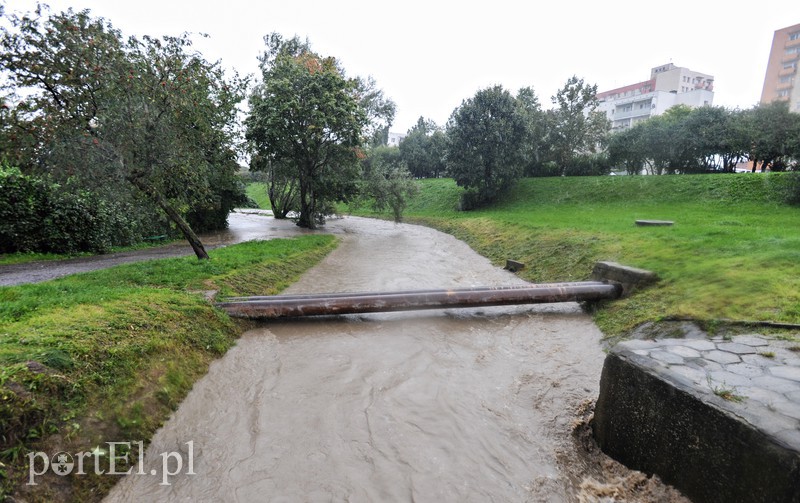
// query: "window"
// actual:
[[794, 36], [792, 50], [783, 93], [791, 64], [786, 79]]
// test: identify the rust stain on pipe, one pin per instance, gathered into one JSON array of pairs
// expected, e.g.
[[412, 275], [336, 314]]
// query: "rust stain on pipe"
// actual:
[[291, 306]]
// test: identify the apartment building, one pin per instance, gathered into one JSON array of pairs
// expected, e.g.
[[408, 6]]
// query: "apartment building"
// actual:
[[780, 81], [669, 85], [394, 139]]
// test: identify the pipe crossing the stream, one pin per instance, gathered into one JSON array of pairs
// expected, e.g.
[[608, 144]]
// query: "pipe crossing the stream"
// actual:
[[293, 306]]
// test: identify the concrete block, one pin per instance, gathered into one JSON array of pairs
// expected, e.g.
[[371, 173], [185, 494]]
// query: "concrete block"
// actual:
[[631, 278], [514, 266], [694, 440], [654, 223]]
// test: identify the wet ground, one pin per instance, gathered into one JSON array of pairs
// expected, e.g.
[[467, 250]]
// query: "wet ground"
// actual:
[[245, 225], [452, 405]]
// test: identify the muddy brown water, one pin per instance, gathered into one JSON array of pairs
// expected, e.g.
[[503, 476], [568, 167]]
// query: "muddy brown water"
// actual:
[[452, 405]]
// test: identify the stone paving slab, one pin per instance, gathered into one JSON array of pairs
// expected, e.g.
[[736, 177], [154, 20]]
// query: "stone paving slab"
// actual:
[[725, 411]]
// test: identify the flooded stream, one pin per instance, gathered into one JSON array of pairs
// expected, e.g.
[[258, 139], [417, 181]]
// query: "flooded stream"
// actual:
[[452, 405]]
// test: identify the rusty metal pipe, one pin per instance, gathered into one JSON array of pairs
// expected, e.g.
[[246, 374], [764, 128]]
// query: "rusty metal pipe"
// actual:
[[341, 303], [405, 292]]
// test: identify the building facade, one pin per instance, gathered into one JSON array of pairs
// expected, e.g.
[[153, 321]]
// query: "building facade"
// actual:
[[669, 85], [394, 139], [780, 81]]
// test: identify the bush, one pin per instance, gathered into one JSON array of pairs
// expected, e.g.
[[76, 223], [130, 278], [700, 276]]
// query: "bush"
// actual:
[[21, 206], [37, 215], [589, 165], [793, 188], [545, 169]]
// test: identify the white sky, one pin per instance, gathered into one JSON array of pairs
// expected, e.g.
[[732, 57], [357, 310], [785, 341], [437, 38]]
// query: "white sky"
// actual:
[[429, 55]]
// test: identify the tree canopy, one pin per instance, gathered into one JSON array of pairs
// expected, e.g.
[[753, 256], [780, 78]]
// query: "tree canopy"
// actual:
[[575, 126], [149, 114], [486, 136], [423, 150], [309, 126], [709, 139]]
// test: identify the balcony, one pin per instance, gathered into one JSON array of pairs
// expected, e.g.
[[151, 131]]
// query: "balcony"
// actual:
[[787, 71], [788, 58], [636, 112]]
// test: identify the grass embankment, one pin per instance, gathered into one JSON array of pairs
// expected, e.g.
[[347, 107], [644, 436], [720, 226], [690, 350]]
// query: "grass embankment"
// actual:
[[257, 191], [733, 253], [108, 355]]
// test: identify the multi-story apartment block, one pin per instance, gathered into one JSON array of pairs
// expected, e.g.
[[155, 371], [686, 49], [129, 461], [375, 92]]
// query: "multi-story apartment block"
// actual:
[[780, 82], [669, 85]]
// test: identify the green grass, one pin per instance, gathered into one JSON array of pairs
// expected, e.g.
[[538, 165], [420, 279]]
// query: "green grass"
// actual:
[[733, 253], [257, 191], [107, 355]]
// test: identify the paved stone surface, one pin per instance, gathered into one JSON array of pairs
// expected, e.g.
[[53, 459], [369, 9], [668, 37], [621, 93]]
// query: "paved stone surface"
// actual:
[[757, 377]]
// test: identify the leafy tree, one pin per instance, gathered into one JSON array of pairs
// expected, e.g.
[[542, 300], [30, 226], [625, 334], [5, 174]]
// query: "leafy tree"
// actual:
[[423, 150], [575, 126], [308, 118], [148, 114], [486, 138], [773, 132], [379, 109], [387, 184], [536, 123], [627, 149], [281, 185]]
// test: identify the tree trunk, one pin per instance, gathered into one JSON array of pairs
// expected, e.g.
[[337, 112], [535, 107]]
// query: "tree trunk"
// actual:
[[173, 214], [187, 231], [306, 219]]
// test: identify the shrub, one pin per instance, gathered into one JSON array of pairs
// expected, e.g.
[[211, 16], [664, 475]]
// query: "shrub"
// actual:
[[588, 165], [793, 188], [37, 215]]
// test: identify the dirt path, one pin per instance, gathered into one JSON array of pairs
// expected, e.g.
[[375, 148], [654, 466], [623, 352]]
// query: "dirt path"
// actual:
[[454, 405]]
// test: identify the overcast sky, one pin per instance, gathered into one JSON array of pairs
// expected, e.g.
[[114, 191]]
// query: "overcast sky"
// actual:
[[429, 55]]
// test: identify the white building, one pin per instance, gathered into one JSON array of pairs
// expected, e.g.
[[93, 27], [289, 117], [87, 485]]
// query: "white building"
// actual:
[[395, 139], [669, 85]]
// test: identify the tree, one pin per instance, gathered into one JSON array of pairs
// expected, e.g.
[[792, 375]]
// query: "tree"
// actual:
[[575, 126], [308, 118], [387, 184], [423, 150], [772, 129], [626, 148], [536, 123], [379, 109], [486, 139], [149, 114]]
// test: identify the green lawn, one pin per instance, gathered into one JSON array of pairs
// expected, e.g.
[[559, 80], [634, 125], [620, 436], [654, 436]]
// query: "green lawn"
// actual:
[[108, 355], [733, 253], [257, 191]]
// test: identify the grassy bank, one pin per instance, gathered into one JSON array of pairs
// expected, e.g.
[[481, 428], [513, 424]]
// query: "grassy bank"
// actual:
[[108, 355], [733, 253], [257, 191]]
